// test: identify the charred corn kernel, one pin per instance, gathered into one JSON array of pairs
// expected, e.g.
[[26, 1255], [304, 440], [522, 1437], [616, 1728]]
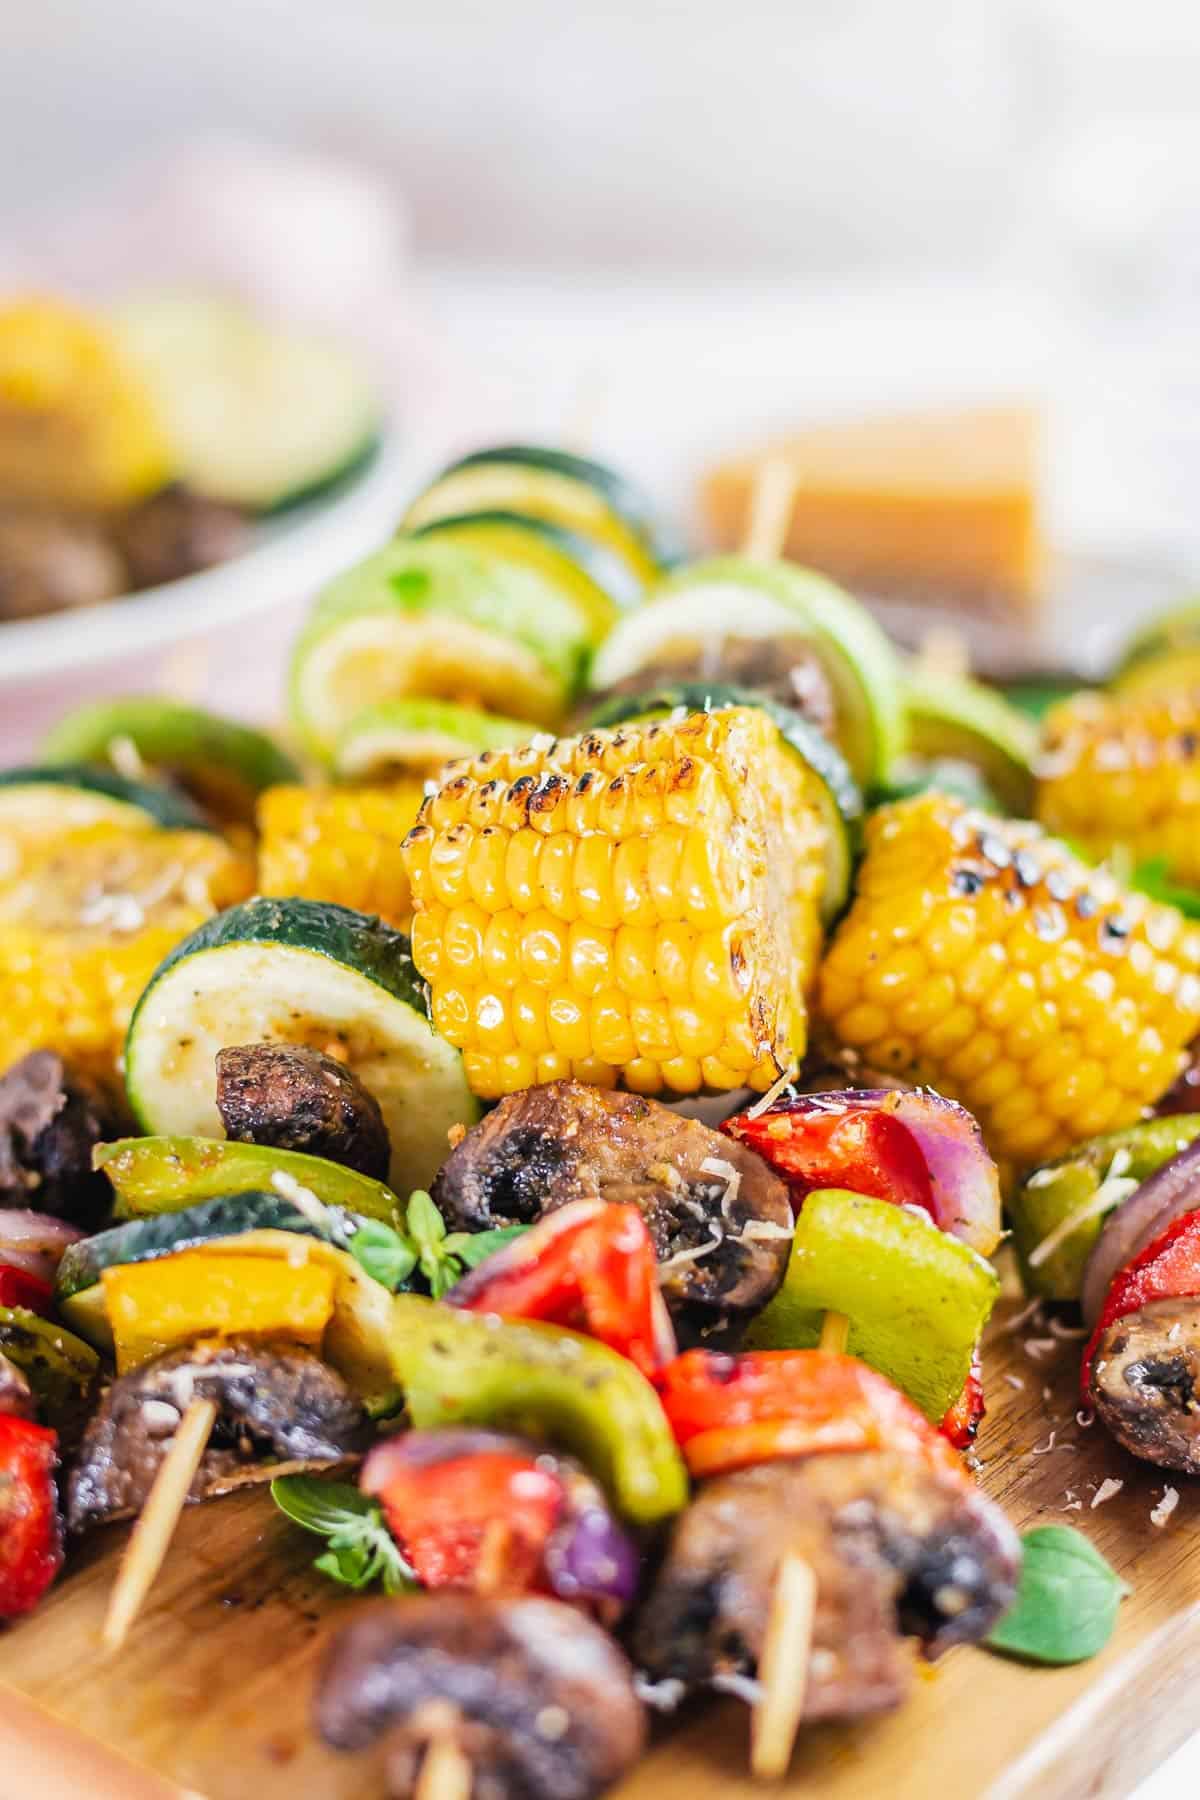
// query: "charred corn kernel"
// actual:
[[87, 923], [1122, 773], [654, 898], [340, 844], [1040, 1047]]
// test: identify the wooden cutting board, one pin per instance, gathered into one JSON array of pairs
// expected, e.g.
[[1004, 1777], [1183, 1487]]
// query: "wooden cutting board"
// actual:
[[212, 1689]]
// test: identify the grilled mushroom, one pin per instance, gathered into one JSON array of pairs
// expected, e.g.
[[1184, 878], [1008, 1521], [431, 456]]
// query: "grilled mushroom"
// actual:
[[897, 1549], [176, 532], [276, 1407], [1146, 1383], [297, 1099], [50, 1121], [538, 1700], [720, 1220]]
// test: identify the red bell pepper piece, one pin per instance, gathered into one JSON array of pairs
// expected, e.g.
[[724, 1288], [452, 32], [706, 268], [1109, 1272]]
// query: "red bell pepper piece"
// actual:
[[728, 1412], [31, 1550], [478, 1521], [1167, 1269], [588, 1266], [961, 1424], [19, 1288], [867, 1151]]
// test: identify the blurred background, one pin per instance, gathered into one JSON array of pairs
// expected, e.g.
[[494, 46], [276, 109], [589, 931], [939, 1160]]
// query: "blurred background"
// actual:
[[662, 232]]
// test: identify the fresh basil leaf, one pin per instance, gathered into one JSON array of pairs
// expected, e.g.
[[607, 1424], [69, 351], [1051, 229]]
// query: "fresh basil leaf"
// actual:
[[1067, 1600], [319, 1505], [386, 1256], [442, 1277], [361, 1548], [479, 1245], [425, 1223]]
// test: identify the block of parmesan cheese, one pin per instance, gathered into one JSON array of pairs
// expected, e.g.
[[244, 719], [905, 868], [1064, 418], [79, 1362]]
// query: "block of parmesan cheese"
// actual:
[[929, 505]]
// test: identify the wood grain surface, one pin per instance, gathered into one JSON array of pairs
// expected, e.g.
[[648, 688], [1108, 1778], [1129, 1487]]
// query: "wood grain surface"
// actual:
[[212, 1689]]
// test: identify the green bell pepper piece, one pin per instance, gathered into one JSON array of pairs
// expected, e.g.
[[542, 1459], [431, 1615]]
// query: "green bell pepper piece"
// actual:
[[60, 1368], [461, 1368], [168, 1174], [916, 1298], [1054, 1194]]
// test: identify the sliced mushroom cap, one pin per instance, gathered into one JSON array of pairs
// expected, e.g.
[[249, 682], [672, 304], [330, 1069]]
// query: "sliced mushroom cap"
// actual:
[[275, 1407], [1146, 1383], [176, 532], [538, 1698], [720, 1219], [897, 1549], [291, 1098], [50, 1122]]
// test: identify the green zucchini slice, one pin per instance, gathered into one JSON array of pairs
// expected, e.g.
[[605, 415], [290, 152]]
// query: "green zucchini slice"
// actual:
[[568, 491], [168, 1174], [954, 719], [60, 1368], [441, 621], [224, 765], [419, 737], [40, 803], [734, 596], [597, 580], [297, 971], [1166, 654], [257, 416]]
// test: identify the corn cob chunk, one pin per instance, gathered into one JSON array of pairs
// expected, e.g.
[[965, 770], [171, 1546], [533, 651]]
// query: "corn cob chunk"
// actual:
[[634, 907], [981, 957], [340, 844], [87, 923], [1125, 772]]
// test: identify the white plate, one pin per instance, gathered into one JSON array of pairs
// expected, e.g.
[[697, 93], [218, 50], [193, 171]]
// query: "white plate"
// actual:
[[291, 557]]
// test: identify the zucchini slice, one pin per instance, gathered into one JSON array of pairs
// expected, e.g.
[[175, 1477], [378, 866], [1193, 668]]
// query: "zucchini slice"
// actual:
[[224, 765], [833, 788], [42, 803], [732, 596], [298, 972], [357, 1340], [257, 416], [1166, 654], [568, 491], [954, 719], [441, 621], [403, 737], [598, 582], [153, 1175], [144, 1240]]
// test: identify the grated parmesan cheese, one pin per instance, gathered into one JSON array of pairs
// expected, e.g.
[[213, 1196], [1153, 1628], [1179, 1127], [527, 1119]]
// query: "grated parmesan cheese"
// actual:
[[1108, 1490], [1014, 1381], [772, 1094], [1166, 1506], [1039, 1347]]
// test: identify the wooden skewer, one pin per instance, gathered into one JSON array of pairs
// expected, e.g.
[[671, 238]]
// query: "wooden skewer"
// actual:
[[944, 652], [783, 1669], [445, 1772], [835, 1332], [151, 1537], [771, 501], [491, 1567]]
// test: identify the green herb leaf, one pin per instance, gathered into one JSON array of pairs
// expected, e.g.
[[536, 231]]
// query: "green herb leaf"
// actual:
[[480, 1245], [1153, 877], [385, 1255], [1067, 1600], [425, 1223], [361, 1548]]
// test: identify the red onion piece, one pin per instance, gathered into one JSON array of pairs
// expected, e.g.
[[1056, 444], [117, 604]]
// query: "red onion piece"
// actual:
[[34, 1241], [588, 1557], [966, 1187], [1140, 1218]]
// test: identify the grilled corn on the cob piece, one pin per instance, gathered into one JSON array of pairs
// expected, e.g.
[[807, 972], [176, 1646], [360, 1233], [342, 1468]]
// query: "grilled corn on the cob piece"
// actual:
[[637, 906], [340, 844], [1125, 771], [86, 924], [980, 956]]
